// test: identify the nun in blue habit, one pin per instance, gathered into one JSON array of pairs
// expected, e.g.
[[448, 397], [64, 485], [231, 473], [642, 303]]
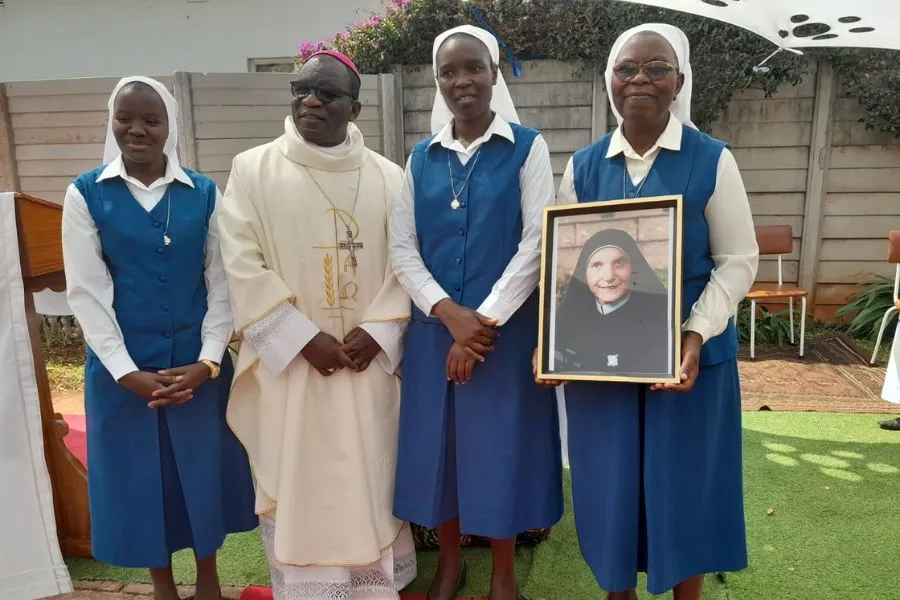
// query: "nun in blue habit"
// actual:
[[479, 450], [146, 282], [656, 470]]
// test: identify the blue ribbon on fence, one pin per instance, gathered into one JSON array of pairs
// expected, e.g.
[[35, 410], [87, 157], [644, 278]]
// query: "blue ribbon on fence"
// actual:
[[513, 62]]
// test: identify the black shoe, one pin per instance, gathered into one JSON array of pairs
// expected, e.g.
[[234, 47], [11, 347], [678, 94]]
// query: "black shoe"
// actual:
[[890, 425], [460, 582]]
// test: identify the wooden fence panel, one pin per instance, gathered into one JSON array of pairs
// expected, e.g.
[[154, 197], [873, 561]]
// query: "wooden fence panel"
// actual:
[[556, 98], [234, 112], [807, 161], [862, 205], [58, 128], [770, 138]]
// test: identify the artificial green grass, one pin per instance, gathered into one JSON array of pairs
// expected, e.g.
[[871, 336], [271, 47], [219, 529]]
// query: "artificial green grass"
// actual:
[[241, 562], [832, 482], [559, 573], [822, 503]]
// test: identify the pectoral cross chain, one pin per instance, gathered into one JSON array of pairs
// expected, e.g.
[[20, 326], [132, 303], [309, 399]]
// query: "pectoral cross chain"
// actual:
[[351, 246]]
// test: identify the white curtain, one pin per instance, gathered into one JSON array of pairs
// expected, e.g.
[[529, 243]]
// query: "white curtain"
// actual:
[[31, 564]]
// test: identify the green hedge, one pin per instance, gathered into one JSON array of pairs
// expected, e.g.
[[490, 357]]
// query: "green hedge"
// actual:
[[583, 30]]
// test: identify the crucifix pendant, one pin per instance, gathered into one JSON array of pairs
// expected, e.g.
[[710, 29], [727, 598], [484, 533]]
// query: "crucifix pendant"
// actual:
[[353, 262], [166, 240], [350, 246], [455, 204]]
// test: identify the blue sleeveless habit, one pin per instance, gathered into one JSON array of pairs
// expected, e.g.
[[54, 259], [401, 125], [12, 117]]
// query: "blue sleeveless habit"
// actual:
[[657, 476], [159, 480], [488, 451]]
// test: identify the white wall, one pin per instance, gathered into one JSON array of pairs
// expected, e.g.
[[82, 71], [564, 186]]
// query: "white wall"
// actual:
[[48, 39]]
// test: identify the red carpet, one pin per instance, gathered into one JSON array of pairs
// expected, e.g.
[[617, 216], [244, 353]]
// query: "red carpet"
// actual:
[[264, 593], [76, 441]]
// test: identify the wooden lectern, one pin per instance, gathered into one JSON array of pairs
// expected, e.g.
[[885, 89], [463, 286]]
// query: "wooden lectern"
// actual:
[[39, 224]]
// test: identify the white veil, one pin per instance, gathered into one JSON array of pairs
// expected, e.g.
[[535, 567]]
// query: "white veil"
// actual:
[[501, 102], [681, 107], [111, 149]]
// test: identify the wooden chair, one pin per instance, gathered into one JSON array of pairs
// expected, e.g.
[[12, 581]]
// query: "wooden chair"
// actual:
[[894, 259], [39, 225], [776, 239]]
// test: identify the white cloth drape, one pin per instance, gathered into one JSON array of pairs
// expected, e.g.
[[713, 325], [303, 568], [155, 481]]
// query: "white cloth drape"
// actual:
[[31, 564], [891, 389], [501, 101], [50, 303], [681, 107]]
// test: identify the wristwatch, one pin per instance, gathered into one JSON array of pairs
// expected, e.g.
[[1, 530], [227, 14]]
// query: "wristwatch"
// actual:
[[213, 368]]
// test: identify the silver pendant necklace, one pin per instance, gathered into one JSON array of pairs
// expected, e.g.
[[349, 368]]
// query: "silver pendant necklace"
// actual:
[[350, 244], [454, 203], [626, 176], [166, 239]]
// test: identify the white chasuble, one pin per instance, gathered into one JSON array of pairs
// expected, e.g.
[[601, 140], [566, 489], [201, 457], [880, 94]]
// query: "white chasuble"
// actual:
[[306, 228]]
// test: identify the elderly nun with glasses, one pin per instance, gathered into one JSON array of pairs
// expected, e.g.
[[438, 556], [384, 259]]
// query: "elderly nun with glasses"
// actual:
[[656, 470]]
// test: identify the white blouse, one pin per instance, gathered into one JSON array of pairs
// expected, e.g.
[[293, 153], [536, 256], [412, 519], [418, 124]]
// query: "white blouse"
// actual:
[[89, 286], [520, 278], [732, 237]]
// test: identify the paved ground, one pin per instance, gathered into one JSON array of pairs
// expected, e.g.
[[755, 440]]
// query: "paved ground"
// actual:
[[113, 590]]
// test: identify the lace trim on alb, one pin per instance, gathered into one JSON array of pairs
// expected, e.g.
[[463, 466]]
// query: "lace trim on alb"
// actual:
[[362, 583], [261, 334], [405, 570]]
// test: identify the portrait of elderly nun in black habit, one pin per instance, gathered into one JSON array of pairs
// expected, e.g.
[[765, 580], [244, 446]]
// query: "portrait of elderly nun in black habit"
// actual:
[[614, 316]]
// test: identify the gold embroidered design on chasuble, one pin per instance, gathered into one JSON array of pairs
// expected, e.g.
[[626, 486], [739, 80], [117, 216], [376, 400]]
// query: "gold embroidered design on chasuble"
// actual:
[[328, 273], [339, 285], [350, 291]]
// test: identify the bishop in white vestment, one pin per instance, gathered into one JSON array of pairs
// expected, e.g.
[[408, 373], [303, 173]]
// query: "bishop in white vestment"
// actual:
[[304, 239]]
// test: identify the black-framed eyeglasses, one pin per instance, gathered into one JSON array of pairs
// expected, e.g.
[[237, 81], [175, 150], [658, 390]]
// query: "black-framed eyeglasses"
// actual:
[[655, 70], [302, 91]]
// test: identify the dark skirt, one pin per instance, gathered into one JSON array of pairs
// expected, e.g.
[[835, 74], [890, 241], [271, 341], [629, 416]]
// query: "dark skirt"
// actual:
[[162, 480], [488, 451], [657, 479]]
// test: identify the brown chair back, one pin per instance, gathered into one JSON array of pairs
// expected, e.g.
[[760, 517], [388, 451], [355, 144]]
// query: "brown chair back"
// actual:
[[775, 239], [894, 247]]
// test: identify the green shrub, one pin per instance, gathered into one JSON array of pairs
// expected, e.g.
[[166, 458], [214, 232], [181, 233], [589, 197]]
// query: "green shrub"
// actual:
[[771, 327], [867, 307]]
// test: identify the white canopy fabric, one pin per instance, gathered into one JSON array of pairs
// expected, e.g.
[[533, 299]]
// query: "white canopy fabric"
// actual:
[[31, 565], [803, 23]]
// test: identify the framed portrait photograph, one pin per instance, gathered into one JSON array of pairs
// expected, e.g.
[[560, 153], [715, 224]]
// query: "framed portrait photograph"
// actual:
[[611, 291]]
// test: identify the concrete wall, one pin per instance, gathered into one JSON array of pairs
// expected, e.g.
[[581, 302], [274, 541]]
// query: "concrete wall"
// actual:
[[44, 39], [649, 228]]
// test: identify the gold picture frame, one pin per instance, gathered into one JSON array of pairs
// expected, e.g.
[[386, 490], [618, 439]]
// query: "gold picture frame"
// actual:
[[654, 227]]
